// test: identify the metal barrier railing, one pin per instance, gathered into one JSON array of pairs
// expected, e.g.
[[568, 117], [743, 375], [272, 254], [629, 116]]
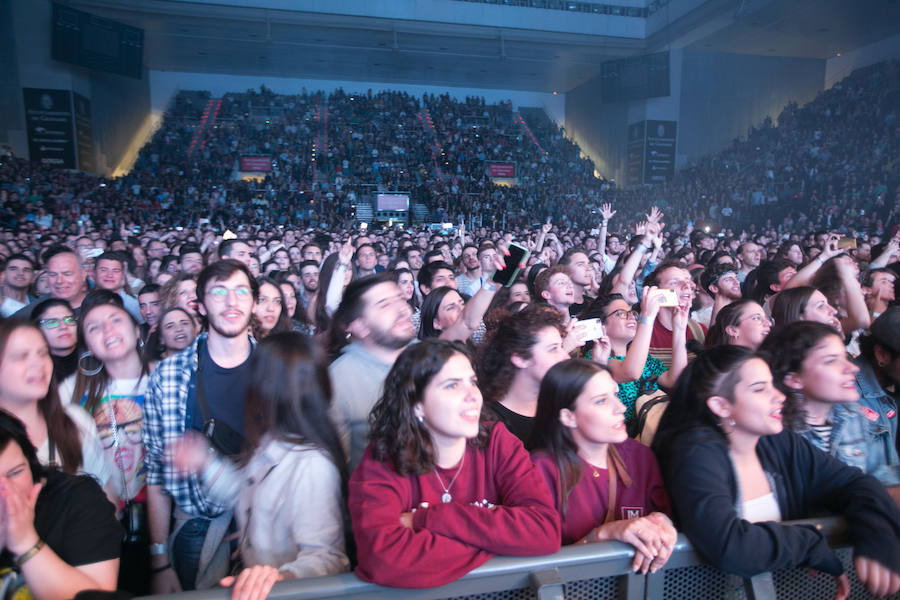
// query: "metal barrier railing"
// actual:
[[594, 571]]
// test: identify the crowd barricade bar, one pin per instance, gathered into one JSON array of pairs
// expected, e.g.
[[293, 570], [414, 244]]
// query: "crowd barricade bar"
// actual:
[[596, 571]]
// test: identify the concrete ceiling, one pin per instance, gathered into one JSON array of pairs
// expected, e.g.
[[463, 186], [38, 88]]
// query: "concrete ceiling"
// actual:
[[225, 39], [805, 28]]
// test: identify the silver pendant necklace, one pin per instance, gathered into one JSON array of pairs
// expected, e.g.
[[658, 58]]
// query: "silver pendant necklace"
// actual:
[[446, 497]]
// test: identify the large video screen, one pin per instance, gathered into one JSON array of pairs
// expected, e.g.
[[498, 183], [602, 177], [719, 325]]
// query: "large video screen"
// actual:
[[392, 202], [90, 41]]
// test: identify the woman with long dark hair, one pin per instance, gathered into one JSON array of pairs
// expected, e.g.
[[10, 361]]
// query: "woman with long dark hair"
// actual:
[[606, 486], [57, 322], [733, 474], [269, 312], [110, 385], [741, 323], [63, 434], [407, 282], [804, 303], [513, 361], [438, 492], [289, 486]]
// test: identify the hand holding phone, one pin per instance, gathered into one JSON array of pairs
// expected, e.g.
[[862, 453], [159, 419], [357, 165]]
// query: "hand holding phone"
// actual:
[[669, 297], [515, 257], [591, 329]]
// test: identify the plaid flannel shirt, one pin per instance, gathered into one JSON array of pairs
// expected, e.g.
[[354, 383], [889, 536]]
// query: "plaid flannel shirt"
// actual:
[[165, 412]]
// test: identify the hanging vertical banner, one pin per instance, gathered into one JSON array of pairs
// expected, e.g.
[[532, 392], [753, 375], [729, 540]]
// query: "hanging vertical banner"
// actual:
[[634, 166], [659, 164], [84, 133], [48, 122]]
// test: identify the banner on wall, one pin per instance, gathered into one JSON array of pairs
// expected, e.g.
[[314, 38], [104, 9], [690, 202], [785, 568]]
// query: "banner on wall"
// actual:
[[84, 133], [504, 170], [48, 123], [256, 164]]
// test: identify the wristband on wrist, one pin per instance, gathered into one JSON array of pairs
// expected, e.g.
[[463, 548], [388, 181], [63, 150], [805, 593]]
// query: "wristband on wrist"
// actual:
[[820, 259], [158, 549], [489, 285], [645, 320], [157, 570], [29, 554]]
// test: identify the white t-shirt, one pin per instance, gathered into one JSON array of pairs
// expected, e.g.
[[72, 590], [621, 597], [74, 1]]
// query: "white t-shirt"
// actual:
[[764, 508], [10, 306], [94, 461]]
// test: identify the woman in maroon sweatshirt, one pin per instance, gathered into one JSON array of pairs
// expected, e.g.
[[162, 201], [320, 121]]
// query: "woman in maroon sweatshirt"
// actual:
[[606, 486], [438, 492]]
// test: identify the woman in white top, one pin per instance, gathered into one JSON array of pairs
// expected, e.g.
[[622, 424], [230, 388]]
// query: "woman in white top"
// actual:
[[63, 435], [290, 487], [111, 386]]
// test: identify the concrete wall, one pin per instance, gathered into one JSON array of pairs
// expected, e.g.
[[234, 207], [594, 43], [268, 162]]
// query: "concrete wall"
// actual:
[[715, 97], [12, 114], [600, 129], [164, 84], [119, 104], [121, 110], [838, 67], [722, 95]]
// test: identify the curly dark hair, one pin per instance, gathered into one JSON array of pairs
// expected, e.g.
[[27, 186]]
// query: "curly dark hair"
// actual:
[[515, 334], [396, 435], [785, 349]]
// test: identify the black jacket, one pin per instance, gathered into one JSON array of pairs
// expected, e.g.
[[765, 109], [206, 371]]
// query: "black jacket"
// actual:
[[702, 485]]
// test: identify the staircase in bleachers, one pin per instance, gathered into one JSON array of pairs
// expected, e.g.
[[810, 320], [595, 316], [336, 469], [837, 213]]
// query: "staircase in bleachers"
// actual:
[[420, 213], [319, 149], [198, 142], [517, 117], [436, 151], [364, 212]]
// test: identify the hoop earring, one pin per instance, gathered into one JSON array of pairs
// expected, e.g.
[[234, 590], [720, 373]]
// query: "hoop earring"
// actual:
[[89, 372]]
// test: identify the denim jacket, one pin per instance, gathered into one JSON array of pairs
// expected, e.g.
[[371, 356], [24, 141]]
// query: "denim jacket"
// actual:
[[863, 434]]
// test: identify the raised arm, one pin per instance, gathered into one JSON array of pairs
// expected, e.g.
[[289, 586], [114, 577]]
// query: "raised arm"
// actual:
[[679, 348], [631, 368], [475, 308], [805, 275], [857, 312], [336, 286], [884, 258], [607, 213]]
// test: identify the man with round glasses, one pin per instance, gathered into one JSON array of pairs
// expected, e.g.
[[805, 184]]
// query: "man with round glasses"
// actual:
[[200, 388]]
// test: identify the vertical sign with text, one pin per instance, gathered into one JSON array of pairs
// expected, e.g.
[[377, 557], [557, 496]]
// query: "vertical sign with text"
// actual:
[[659, 164], [48, 121]]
